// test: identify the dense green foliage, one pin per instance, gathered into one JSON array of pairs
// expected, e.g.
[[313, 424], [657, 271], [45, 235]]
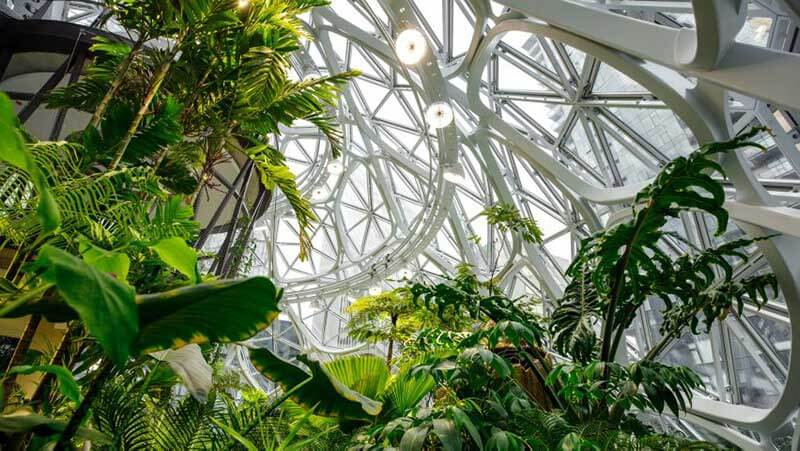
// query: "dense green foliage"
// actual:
[[492, 382], [102, 229]]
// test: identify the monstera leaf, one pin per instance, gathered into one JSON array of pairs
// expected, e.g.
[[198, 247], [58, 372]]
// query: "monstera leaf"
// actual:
[[625, 261], [325, 394]]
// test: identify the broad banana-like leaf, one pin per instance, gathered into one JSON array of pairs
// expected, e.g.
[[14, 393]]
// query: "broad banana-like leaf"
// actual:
[[324, 393], [219, 311], [105, 305], [190, 365], [23, 421]]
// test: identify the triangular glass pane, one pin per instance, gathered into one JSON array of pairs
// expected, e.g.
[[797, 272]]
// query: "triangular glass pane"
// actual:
[[660, 127], [611, 80], [513, 78]]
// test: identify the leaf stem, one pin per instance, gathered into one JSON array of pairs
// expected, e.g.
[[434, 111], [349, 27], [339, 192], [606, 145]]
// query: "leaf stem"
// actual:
[[155, 85], [117, 82], [100, 378], [616, 290]]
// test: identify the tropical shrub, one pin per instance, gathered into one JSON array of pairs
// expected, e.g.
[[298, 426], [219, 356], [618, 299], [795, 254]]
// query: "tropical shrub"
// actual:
[[585, 399], [394, 318]]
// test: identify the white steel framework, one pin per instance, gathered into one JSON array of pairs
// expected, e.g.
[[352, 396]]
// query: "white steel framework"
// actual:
[[564, 108]]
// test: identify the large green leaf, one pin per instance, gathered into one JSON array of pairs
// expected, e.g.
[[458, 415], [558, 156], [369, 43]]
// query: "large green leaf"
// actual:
[[325, 394], [14, 152], [414, 438], [366, 374], [448, 434], [405, 392], [66, 381], [627, 263], [221, 311], [175, 252], [116, 264], [105, 305], [23, 421]]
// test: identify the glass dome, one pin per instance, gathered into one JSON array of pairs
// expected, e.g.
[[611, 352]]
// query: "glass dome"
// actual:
[[563, 122], [564, 109]]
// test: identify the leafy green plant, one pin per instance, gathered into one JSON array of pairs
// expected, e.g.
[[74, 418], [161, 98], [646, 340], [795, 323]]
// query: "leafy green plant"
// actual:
[[393, 317], [617, 269], [506, 217], [99, 225], [464, 294], [220, 88]]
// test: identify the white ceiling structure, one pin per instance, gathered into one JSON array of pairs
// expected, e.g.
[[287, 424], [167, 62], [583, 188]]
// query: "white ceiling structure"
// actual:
[[565, 108]]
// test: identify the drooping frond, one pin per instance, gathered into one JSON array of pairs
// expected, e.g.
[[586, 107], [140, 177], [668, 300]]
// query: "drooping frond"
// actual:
[[281, 177]]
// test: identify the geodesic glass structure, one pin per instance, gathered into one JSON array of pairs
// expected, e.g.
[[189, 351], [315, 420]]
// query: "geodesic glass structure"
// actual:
[[564, 108]]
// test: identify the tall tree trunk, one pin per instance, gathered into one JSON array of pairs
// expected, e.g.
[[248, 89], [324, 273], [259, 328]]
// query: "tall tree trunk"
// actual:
[[389, 353], [18, 357], [155, 85], [117, 82], [390, 350]]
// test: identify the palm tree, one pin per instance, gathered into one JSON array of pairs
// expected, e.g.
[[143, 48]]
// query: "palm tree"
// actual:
[[228, 92]]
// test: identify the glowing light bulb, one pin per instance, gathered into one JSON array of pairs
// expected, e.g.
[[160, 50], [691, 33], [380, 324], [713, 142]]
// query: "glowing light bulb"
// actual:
[[439, 114], [410, 46], [242, 4], [335, 167]]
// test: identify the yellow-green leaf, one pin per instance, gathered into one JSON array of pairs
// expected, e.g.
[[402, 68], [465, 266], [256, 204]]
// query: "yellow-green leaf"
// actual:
[[176, 253]]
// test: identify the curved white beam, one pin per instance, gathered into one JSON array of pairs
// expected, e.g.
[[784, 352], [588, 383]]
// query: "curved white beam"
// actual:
[[717, 22], [758, 72]]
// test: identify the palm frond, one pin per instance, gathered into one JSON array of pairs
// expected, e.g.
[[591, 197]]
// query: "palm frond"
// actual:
[[281, 177], [86, 93], [366, 374]]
